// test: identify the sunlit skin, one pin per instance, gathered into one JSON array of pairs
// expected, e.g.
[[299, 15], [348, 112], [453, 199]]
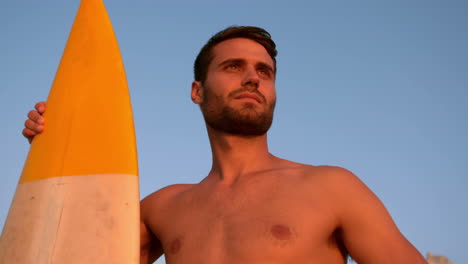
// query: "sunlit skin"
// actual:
[[253, 207]]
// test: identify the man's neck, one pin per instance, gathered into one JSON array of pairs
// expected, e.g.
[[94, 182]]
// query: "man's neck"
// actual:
[[236, 155]]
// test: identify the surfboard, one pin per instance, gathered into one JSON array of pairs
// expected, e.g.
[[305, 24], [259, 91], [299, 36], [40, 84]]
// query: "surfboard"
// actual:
[[77, 200]]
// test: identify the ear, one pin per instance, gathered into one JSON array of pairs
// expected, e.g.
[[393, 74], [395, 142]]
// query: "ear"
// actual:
[[197, 92]]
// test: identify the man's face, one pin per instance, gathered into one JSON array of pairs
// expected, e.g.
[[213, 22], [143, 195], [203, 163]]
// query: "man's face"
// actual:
[[238, 96]]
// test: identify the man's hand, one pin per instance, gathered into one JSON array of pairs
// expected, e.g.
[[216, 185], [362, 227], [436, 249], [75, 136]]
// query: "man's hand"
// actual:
[[35, 123]]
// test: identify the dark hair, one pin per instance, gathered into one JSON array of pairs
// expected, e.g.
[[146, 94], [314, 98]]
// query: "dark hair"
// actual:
[[259, 35]]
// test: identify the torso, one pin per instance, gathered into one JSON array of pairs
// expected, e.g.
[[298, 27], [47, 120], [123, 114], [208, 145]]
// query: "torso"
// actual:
[[277, 216]]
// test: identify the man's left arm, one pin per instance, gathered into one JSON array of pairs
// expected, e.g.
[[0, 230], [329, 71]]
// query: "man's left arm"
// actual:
[[368, 231]]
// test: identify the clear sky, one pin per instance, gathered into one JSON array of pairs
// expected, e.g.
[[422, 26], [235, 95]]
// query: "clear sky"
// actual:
[[377, 87]]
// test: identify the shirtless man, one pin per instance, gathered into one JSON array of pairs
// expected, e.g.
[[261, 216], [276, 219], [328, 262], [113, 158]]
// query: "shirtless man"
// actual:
[[254, 207]]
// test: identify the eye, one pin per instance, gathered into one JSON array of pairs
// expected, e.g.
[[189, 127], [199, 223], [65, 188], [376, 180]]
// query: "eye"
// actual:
[[232, 67], [264, 72]]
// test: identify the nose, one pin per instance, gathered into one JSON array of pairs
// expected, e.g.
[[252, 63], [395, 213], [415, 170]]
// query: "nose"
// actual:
[[251, 78]]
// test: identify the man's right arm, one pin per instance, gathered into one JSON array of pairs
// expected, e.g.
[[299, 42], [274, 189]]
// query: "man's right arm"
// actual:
[[150, 248]]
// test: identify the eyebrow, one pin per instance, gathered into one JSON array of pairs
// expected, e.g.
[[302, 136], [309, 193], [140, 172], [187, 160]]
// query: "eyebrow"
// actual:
[[265, 66], [242, 61]]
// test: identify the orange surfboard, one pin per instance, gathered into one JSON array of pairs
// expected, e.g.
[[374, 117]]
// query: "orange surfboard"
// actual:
[[77, 200]]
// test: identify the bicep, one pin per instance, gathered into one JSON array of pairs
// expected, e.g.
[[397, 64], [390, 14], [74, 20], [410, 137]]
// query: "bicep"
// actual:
[[150, 247], [150, 217], [368, 231]]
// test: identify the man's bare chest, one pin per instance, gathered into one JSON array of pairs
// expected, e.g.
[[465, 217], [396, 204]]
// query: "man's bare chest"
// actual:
[[252, 225]]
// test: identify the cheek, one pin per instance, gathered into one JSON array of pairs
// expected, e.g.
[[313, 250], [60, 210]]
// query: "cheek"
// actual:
[[219, 89], [224, 83], [269, 92], [210, 97], [214, 86]]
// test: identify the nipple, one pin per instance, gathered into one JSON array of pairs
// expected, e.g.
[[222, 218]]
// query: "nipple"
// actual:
[[281, 232]]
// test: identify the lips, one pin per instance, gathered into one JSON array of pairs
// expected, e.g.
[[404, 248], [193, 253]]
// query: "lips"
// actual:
[[249, 96]]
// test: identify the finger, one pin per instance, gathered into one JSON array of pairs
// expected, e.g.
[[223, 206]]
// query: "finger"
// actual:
[[35, 116], [40, 107], [37, 128], [28, 133]]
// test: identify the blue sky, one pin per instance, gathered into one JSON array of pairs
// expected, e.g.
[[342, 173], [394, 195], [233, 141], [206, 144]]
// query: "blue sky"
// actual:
[[377, 87]]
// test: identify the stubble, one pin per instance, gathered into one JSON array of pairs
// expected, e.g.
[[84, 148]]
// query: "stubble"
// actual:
[[246, 120]]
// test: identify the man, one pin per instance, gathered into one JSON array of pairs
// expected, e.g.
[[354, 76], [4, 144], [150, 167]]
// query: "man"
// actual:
[[254, 207]]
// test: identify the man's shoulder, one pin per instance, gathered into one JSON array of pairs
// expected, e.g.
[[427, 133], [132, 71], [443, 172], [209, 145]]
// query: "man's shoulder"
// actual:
[[168, 191], [328, 171], [320, 172], [164, 195], [155, 207], [340, 185], [330, 177]]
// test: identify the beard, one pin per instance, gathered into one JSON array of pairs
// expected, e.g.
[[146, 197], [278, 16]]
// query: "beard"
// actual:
[[246, 120]]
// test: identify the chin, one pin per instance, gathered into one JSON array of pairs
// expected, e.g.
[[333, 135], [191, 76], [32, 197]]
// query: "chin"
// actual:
[[244, 122]]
